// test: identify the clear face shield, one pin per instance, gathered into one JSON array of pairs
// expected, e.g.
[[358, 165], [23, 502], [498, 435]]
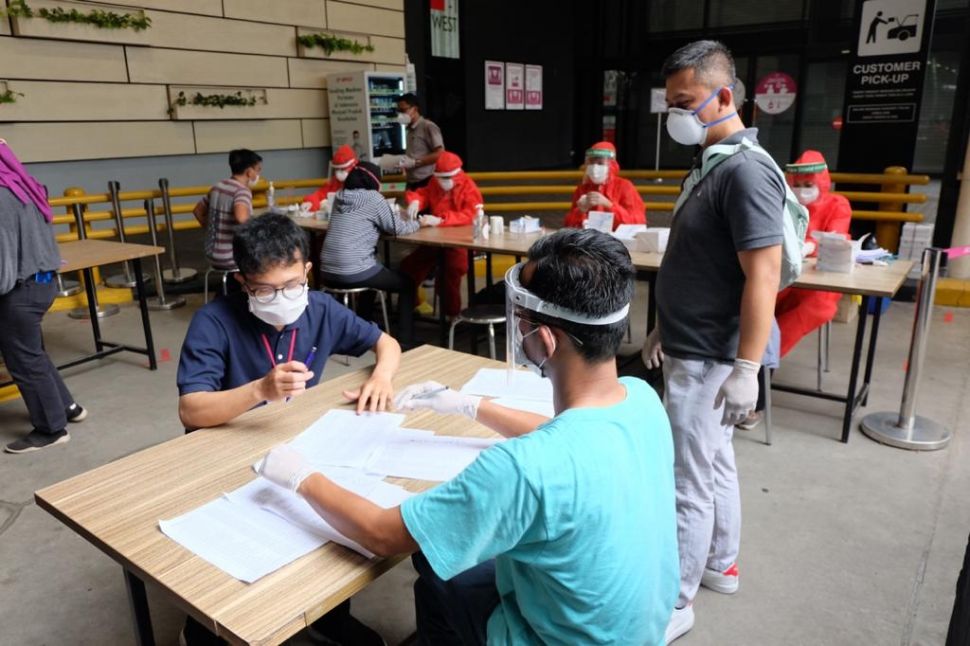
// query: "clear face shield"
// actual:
[[521, 305]]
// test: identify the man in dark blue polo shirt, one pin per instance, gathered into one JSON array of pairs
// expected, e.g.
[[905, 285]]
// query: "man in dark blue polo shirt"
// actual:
[[270, 342]]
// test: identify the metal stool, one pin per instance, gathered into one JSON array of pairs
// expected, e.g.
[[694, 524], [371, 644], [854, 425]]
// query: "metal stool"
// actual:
[[824, 336], [349, 297], [488, 315], [205, 281]]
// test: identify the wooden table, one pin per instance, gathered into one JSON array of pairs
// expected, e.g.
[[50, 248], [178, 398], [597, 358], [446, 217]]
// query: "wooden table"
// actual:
[[868, 281], [117, 508]]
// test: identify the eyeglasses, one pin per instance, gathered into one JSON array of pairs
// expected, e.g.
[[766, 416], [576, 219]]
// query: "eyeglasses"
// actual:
[[267, 295], [536, 324]]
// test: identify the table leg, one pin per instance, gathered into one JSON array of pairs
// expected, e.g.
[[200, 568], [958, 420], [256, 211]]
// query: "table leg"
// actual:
[[651, 301], [850, 403], [142, 618], [488, 269], [92, 294], [439, 285], [870, 359], [146, 323]]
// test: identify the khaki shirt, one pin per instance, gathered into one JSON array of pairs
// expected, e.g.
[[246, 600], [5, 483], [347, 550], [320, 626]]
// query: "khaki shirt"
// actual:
[[423, 137]]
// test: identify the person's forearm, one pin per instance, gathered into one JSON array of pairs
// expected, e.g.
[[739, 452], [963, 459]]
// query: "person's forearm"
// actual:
[[205, 409], [429, 159], [757, 309], [388, 353], [382, 531], [508, 422]]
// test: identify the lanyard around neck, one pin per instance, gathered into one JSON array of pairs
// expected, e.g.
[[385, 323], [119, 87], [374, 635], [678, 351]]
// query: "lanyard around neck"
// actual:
[[269, 350]]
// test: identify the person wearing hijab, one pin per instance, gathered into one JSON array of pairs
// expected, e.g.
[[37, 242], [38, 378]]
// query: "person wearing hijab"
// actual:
[[29, 261], [602, 189], [450, 200], [799, 311], [342, 163], [360, 215]]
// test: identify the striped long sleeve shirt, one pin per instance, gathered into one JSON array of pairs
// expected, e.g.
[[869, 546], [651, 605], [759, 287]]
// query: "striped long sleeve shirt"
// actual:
[[358, 219]]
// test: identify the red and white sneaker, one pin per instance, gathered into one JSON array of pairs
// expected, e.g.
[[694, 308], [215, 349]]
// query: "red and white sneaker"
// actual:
[[725, 582]]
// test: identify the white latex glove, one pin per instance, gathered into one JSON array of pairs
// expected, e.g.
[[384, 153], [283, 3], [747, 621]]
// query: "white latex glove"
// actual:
[[598, 199], [739, 392], [284, 466], [430, 220], [583, 203], [652, 354], [413, 207], [305, 207], [408, 162], [808, 248], [437, 397]]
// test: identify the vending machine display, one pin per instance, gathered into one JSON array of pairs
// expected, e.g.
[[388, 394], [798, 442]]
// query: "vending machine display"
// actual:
[[363, 113]]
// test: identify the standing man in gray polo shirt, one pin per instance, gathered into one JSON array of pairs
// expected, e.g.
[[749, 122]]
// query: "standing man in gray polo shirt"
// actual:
[[424, 142], [715, 297]]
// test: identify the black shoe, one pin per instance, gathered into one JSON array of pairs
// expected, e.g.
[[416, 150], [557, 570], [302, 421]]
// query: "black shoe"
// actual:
[[76, 413], [37, 440], [347, 632]]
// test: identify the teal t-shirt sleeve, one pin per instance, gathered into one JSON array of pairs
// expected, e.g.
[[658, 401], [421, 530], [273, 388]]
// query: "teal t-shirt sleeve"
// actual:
[[483, 512]]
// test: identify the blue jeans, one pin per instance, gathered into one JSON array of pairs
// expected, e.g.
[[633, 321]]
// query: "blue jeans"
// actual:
[[454, 611]]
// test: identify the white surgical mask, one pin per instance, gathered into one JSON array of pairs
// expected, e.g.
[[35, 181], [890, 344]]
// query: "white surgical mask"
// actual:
[[686, 128], [521, 357], [281, 310], [806, 194], [403, 118], [446, 183], [254, 181], [341, 175], [597, 173]]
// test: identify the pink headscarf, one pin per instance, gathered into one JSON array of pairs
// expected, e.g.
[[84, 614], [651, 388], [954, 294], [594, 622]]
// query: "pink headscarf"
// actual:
[[15, 177]]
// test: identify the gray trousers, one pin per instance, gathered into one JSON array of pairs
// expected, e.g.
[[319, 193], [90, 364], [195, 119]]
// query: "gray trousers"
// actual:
[[708, 498], [22, 347]]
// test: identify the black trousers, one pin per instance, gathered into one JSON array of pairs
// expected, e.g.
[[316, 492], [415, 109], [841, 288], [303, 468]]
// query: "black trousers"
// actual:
[[387, 280], [453, 612], [959, 633], [22, 347]]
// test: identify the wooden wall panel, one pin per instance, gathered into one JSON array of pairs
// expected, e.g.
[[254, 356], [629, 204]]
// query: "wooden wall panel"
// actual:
[[53, 101], [316, 133], [223, 136], [312, 73], [308, 13], [38, 27], [280, 104], [36, 142], [364, 20], [181, 31], [205, 7], [59, 60], [151, 65]]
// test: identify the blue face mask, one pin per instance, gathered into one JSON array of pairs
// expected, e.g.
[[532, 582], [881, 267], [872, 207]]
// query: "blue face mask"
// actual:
[[686, 128]]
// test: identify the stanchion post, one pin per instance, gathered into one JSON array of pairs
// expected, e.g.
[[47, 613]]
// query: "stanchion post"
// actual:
[[906, 429], [158, 302], [175, 274], [127, 279], [93, 309], [887, 232]]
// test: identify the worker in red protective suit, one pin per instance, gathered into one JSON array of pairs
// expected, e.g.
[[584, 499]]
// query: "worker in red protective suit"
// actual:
[[602, 189], [799, 311], [449, 200], [342, 163]]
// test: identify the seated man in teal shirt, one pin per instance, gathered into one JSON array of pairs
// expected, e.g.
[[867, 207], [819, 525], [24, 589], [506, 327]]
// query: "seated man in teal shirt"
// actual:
[[565, 533]]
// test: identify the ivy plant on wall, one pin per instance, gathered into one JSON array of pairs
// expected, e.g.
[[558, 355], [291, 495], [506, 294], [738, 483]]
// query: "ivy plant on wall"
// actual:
[[99, 18], [9, 96], [216, 100], [330, 43]]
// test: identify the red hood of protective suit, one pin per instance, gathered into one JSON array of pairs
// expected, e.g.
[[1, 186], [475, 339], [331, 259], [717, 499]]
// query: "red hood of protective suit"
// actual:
[[821, 179], [614, 175]]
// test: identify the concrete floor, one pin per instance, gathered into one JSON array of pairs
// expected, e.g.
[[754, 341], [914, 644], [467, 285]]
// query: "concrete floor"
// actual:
[[842, 544]]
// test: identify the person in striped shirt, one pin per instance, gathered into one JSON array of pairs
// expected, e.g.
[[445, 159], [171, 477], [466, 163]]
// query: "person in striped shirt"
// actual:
[[228, 204]]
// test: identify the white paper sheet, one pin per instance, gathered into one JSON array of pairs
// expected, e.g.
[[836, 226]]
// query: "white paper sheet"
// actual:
[[246, 543], [344, 439], [495, 382], [436, 459], [545, 408]]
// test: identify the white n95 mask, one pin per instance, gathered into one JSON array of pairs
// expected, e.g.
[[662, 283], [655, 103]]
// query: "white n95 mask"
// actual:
[[446, 184], [806, 194], [403, 119], [686, 128], [597, 173], [281, 310], [341, 175]]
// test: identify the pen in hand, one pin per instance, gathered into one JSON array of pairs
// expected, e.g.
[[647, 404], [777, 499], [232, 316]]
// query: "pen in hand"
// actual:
[[306, 362]]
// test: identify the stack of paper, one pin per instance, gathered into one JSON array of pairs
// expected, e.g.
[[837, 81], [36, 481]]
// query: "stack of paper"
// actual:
[[599, 220], [519, 389], [836, 252]]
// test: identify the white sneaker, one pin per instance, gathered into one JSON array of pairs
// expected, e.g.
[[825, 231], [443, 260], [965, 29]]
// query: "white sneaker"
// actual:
[[681, 621], [725, 582]]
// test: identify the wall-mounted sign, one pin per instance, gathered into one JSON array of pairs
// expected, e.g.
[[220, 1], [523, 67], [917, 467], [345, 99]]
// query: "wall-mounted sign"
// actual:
[[775, 93], [533, 87], [494, 85], [444, 28], [514, 86]]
